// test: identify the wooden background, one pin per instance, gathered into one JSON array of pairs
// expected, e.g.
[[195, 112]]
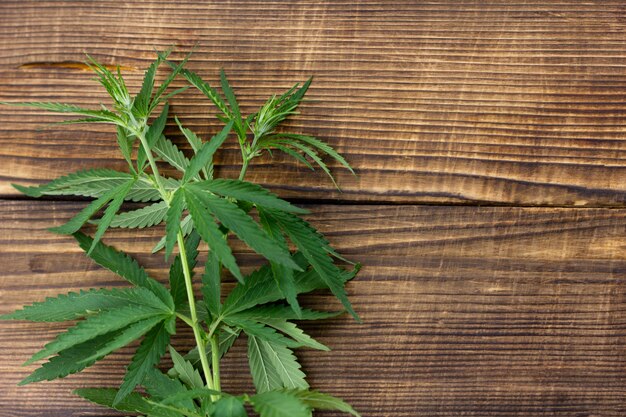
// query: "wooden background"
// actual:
[[488, 210]]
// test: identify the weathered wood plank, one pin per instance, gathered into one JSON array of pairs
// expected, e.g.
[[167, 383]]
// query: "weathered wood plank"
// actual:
[[446, 101], [467, 311]]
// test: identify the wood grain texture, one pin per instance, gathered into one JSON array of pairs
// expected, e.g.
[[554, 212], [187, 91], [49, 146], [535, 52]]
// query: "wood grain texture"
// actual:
[[467, 311], [443, 101]]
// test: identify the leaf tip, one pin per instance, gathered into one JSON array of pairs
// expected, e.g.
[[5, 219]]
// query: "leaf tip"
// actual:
[[29, 191], [239, 276], [93, 246], [28, 380], [57, 229], [119, 397], [356, 317], [4, 317], [32, 360]]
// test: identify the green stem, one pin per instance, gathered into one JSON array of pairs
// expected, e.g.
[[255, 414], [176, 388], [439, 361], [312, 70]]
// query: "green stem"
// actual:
[[197, 330], [172, 408], [184, 318], [244, 168], [195, 325], [247, 156], [215, 325], [215, 358], [155, 170]]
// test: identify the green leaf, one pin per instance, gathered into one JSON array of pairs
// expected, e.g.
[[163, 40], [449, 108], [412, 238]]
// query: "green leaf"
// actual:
[[78, 121], [299, 95], [115, 86], [226, 337], [133, 403], [186, 227], [170, 153], [313, 155], [126, 145], [88, 183], [152, 135], [109, 213], [191, 137], [185, 371], [156, 128], [69, 361], [293, 331], [259, 287], [144, 217], [73, 306], [124, 266], [175, 92], [126, 336], [282, 275], [210, 233], [144, 189], [150, 351], [95, 326], [272, 142], [312, 245], [229, 407], [196, 393], [264, 375], [243, 226], [76, 222], [205, 154], [234, 106], [277, 109], [207, 90], [142, 100], [178, 287], [211, 284], [246, 191], [176, 69], [320, 401], [196, 145], [282, 312], [279, 404], [318, 144], [103, 116], [272, 364], [172, 223], [293, 154], [160, 386]]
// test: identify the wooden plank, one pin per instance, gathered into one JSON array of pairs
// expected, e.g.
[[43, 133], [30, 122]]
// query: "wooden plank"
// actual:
[[467, 311], [446, 101]]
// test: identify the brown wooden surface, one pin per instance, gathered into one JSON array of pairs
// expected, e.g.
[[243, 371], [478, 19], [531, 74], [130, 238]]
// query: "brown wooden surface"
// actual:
[[445, 101], [468, 310]]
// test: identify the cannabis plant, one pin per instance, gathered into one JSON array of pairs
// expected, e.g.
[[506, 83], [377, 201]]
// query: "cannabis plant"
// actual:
[[195, 207]]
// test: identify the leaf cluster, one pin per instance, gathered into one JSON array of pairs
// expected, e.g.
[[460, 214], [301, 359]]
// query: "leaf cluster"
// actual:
[[196, 209]]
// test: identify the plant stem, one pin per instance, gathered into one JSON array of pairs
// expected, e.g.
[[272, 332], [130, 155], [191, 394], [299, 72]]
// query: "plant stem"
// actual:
[[185, 319], [197, 331], [212, 378], [172, 408], [247, 156], [155, 170], [244, 168], [215, 358], [195, 325]]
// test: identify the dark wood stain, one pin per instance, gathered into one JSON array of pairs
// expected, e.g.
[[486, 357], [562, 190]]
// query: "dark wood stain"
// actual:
[[514, 309], [448, 101], [492, 311]]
